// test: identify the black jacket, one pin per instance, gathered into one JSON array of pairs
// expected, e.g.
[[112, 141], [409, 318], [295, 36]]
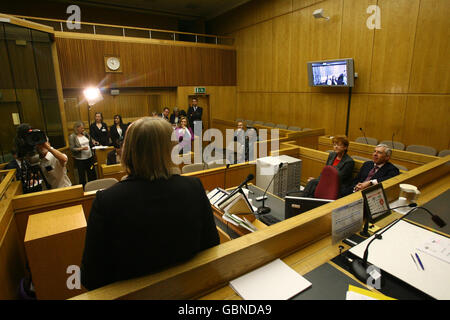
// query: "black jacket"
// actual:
[[194, 115], [115, 135], [387, 171], [344, 168], [101, 135], [135, 228]]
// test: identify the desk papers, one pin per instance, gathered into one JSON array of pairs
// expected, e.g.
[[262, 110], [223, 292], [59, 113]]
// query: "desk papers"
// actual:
[[273, 281], [393, 254], [438, 248]]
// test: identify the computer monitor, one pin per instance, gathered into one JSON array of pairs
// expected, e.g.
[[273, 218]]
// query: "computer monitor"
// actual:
[[295, 205], [375, 202]]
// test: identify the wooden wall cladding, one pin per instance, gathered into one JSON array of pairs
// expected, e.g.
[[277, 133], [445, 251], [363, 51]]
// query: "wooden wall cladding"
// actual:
[[144, 64], [403, 70]]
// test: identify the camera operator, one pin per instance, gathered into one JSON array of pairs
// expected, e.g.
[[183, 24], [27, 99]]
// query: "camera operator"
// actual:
[[53, 165], [25, 142]]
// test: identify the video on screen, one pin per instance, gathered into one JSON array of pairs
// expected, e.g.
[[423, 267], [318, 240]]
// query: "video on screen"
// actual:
[[330, 74]]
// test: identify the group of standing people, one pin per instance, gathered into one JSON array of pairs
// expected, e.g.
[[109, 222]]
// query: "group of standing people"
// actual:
[[81, 143], [184, 124]]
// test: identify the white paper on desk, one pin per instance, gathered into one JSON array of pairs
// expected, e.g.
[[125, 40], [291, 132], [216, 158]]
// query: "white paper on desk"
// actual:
[[438, 248], [346, 220], [273, 281], [99, 147], [393, 255]]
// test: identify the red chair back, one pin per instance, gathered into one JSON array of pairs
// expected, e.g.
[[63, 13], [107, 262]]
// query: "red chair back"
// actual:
[[328, 186]]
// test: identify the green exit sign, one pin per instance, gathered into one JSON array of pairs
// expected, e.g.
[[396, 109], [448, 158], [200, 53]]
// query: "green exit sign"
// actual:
[[200, 90]]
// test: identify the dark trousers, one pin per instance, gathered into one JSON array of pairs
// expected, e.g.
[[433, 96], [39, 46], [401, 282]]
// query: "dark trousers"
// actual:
[[85, 167]]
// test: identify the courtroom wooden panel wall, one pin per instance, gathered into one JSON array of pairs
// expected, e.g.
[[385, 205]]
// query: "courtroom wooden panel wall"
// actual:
[[403, 83], [143, 64]]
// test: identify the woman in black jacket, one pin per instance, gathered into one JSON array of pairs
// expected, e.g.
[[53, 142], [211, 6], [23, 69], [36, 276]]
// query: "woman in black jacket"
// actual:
[[99, 131], [134, 227], [117, 130], [341, 161]]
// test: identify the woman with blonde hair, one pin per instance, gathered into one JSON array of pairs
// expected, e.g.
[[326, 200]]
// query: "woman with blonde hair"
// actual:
[[184, 135], [80, 146], [134, 227]]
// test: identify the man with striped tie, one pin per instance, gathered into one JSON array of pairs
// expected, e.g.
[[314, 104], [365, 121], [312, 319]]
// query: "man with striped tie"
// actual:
[[376, 171]]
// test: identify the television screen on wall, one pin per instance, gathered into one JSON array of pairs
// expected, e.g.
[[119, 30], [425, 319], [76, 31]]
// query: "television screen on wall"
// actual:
[[331, 73]]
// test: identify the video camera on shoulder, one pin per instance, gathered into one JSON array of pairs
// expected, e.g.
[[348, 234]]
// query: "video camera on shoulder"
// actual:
[[27, 139]]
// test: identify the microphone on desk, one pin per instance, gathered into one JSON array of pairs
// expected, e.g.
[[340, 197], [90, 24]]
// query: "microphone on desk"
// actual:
[[360, 267], [365, 231], [247, 180], [263, 209], [361, 129]]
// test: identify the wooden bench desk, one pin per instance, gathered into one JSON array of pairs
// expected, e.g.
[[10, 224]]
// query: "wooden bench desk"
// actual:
[[54, 241]]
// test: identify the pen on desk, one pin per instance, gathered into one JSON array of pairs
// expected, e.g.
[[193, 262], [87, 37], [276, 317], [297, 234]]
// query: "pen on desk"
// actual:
[[420, 262], [415, 261]]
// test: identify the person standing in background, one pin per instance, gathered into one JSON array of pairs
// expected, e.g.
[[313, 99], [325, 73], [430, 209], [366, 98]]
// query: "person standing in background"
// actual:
[[53, 165], [195, 115], [117, 130], [99, 131], [80, 146]]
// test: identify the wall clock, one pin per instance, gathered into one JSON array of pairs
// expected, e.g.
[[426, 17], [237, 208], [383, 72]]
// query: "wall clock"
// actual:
[[113, 64]]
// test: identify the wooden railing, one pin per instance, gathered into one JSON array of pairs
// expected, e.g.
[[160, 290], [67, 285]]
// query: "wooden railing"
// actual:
[[408, 159], [128, 31]]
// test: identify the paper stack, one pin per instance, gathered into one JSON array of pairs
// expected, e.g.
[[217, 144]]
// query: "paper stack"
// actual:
[[273, 281]]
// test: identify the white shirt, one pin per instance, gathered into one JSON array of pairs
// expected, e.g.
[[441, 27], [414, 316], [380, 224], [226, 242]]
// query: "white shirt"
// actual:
[[85, 154], [119, 131], [55, 174]]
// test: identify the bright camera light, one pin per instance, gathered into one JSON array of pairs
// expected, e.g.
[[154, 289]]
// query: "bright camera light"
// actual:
[[92, 95]]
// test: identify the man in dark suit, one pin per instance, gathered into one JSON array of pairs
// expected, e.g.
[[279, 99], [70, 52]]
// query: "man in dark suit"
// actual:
[[115, 155], [165, 114], [195, 114], [376, 171]]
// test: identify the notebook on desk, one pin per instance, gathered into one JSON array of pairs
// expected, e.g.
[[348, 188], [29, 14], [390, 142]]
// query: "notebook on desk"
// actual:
[[273, 281]]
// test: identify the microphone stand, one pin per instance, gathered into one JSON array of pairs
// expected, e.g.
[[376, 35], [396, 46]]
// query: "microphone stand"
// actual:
[[367, 142], [263, 209], [360, 266]]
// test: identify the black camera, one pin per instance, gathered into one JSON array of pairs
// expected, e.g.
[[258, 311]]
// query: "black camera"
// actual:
[[34, 137], [27, 139]]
